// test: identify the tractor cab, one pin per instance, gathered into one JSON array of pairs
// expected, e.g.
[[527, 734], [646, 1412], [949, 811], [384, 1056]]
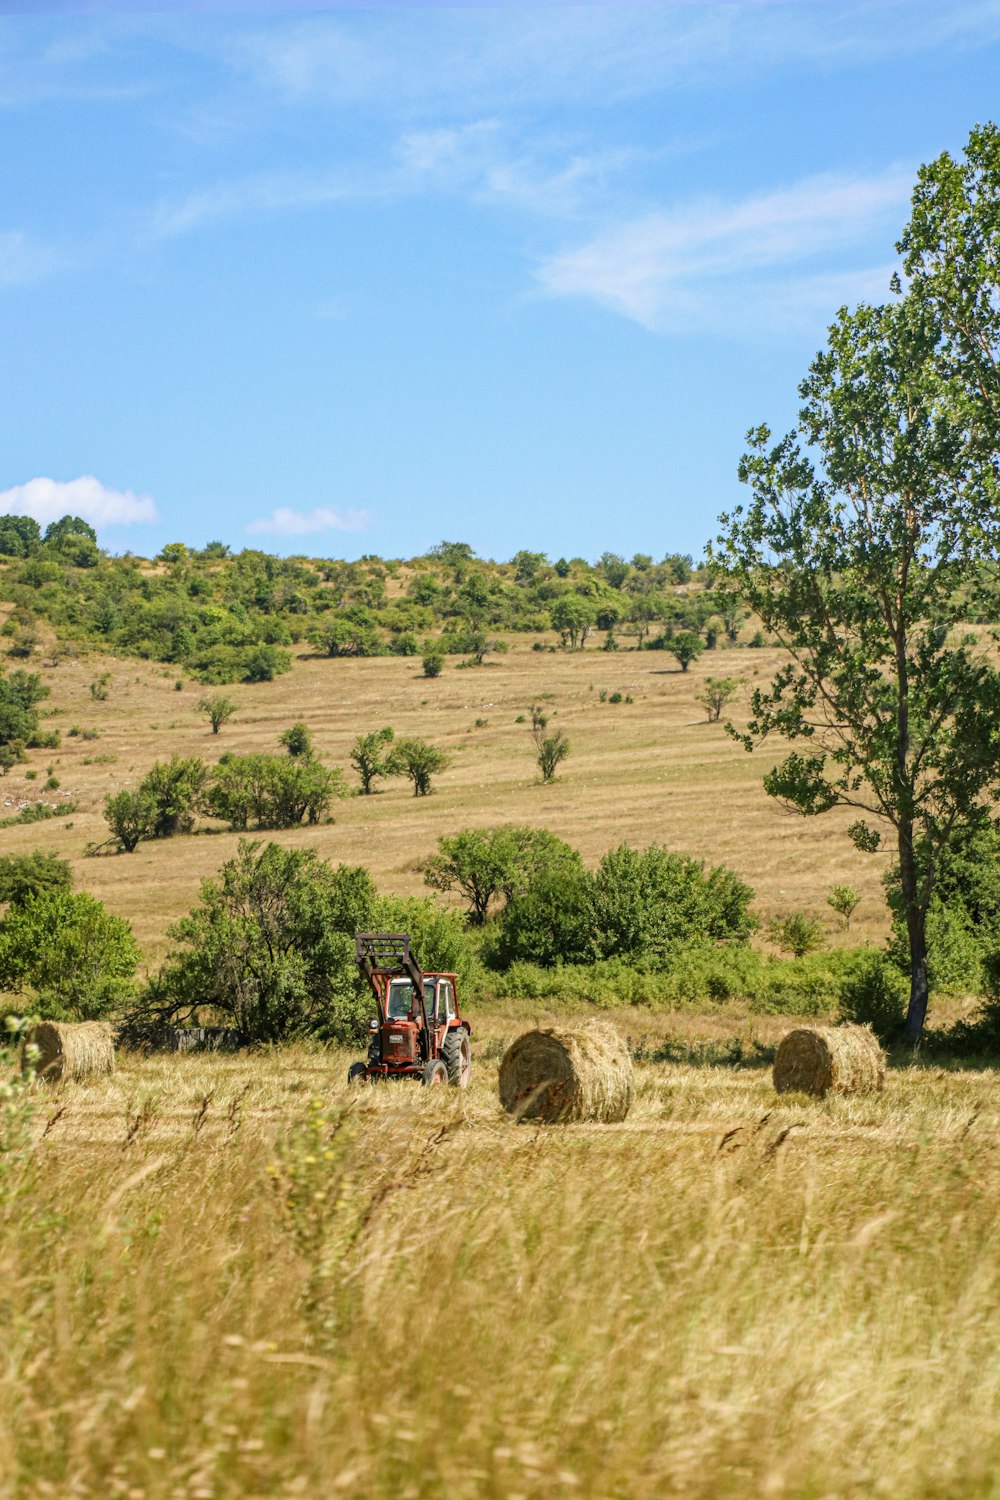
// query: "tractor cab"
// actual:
[[417, 1031], [439, 998]]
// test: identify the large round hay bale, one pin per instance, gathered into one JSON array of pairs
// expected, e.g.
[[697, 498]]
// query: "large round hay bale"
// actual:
[[69, 1051], [585, 1074], [829, 1060]]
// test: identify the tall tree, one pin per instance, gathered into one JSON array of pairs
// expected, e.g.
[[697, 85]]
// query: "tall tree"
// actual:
[[864, 554]]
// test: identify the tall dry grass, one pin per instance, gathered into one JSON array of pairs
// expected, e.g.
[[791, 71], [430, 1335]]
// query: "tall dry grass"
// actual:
[[230, 1278]]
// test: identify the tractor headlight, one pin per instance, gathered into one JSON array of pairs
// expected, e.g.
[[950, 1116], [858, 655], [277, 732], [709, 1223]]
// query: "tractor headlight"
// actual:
[[373, 1024]]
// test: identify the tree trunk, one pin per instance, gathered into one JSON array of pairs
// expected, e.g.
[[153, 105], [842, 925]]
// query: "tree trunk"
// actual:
[[916, 932]]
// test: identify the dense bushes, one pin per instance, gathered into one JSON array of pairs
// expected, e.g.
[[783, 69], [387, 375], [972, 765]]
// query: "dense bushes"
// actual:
[[245, 791], [271, 947], [692, 974], [69, 957], [637, 905], [20, 694], [270, 791]]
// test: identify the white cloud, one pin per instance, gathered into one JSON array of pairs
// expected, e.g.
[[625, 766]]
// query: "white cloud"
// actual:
[[676, 270], [284, 521], [48, 499]]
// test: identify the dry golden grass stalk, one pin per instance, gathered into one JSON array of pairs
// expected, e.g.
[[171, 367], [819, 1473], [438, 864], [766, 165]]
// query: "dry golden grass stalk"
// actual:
[[584, 1074], [829, 1059], [68, 1052]]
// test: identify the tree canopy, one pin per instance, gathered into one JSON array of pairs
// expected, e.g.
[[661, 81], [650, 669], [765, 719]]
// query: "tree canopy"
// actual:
[[869, 533]]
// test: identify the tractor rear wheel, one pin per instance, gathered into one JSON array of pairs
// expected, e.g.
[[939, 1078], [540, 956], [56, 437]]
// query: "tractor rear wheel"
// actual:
[[435, 1073], [457, 1053], [357, 1073]]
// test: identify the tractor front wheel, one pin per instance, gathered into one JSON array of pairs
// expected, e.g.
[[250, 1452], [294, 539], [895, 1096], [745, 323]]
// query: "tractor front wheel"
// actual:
[[357, 1073], [457, 1053], [435, 1072]]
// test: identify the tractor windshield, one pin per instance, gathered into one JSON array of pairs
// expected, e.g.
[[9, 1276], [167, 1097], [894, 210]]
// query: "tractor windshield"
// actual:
[[399, 1002]]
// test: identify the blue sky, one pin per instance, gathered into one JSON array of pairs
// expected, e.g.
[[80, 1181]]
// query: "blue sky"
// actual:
[[355, 280]]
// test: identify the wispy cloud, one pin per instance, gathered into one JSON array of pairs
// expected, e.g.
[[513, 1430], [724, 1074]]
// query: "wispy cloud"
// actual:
[[670, 270], [261, 194], [286, 522], [489, 162], [23, 259], [48, 499], [414, 57]]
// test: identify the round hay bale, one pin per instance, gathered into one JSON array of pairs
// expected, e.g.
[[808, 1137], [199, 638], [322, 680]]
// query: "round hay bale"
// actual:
[[69, 1051], [824, 1060], [585, 1074]]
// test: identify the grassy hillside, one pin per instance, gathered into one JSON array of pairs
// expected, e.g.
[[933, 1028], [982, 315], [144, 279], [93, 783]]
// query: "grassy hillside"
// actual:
[[650, 770]]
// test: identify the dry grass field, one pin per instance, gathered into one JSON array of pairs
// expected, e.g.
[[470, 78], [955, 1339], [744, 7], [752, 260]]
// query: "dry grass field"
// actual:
[[229, 1278], [650, 770]]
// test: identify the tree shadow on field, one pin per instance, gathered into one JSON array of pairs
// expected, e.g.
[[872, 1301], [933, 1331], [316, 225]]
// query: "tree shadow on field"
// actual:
[[729, 1052], [946, 1052]]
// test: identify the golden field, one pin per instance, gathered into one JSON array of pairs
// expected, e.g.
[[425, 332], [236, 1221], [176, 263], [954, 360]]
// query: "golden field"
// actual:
[[229, 1277], [218, 1283], [650, 770]]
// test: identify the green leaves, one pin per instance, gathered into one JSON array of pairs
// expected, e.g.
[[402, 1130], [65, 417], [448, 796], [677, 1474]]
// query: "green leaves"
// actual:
[[75, 959], [871, 538]]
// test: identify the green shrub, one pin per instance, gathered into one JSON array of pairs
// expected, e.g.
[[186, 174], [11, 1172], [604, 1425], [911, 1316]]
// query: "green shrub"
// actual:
[[72, 959], [644, 900], [270, 791], [25, 875], [441, 939], [797, 934], [874, 994], [271, 947]]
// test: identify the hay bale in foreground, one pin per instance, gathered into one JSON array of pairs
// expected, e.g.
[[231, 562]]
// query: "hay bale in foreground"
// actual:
[[585, 1074], [69, 1051], [829, 1059]]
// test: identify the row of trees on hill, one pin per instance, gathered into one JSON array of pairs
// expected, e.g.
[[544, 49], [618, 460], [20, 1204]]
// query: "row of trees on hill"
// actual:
[[225, 618]]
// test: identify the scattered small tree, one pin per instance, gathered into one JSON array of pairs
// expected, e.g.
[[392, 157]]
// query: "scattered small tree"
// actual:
[[473, 641], [550, 749], [419, 761], [101, 687], [298, 742], [574, 616], [433, 663], [218, 709], [844, 900], [369, 758], [796, 934], [717, 692], [686, 646], [131, 817]]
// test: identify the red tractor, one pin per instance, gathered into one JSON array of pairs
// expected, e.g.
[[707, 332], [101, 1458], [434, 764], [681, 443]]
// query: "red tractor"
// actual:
[[418, 1032]]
